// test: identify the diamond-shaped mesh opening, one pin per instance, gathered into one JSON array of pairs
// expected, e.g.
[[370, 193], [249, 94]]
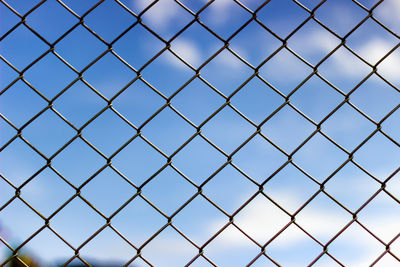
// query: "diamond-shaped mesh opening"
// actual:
[[138, 229], [351, 15], [226, 121], [53, 138], [257, 101], [238, 188], [104, 185], [316, 99], [382, 162], [10, 19], [111, 126], [354, 128], [208, 220], [226, 72], [219, 17], [262, 46], [80, 47], [285, 71], [109, 20], [290, 188], [18, 154], [21, 54], [167, 73], [344, 70], [169, 246], [50, 66], [138, 46], [195, 45], [261, 219], [276, 16], [199, 133], [355, 245], [23, 99], [134, 156], [198, 160], [168, 201], [138, 102], [18, 231], [291, 241], [259, 159], [317, 149], [205, 101], [44, 201], [118, 75], [288, 129], [385, 224], [323, 218], [351, 187], [376, 41], [77, 213], [166, 17], [82, 157], [51, 12], [116, 249], [231, 247], [313, 42], [175, 129], [385, 98], [82, 104]]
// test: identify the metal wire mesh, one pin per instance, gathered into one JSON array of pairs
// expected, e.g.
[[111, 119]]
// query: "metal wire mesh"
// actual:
[[258, 132]]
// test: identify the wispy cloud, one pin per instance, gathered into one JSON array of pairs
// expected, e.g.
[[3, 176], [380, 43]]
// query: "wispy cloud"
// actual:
[[163, 12], [187, 50], [388, 12], [343, 62], [263, 220]]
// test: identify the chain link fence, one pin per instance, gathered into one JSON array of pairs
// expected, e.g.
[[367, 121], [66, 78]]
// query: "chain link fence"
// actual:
[[173, 144]]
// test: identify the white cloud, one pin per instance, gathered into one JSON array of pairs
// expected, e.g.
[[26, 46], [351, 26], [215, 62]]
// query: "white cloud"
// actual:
[[390, 67], [344, 63], [161, 14], [226, 59], [387, 12], [374, 50], [312, 42], [263, 220], [220, 11], [187, 50]]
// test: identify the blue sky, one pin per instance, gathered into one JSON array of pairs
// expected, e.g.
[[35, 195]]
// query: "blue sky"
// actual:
[[162, 136]]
